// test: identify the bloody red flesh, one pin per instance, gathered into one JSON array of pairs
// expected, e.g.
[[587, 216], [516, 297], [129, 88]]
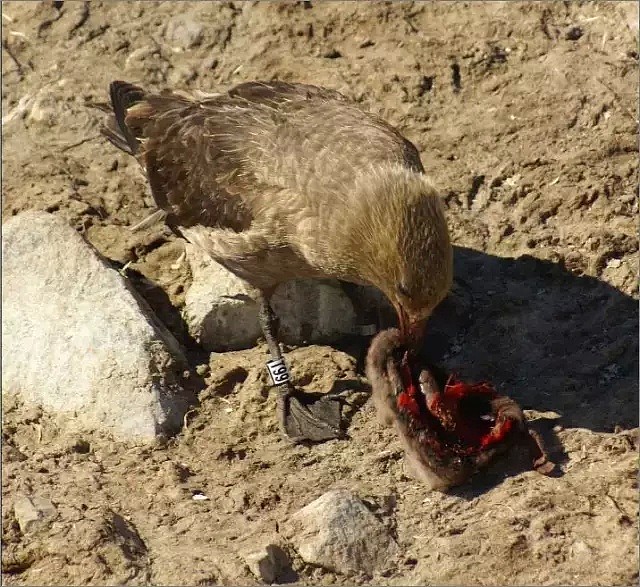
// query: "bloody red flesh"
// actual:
[[407, 400], [456, 412]]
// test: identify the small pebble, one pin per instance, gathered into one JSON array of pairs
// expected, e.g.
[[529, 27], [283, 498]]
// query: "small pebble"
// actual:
[[614, 263], [203, 370], [574, 33]]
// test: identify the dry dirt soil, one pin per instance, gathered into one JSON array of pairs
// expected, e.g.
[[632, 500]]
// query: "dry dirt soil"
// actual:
[[526, 117]]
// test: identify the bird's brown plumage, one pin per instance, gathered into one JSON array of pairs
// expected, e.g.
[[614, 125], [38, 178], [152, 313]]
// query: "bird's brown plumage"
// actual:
[[278, 181]]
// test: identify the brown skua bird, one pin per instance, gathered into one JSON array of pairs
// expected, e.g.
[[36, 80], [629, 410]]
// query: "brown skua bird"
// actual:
[[278, 181]]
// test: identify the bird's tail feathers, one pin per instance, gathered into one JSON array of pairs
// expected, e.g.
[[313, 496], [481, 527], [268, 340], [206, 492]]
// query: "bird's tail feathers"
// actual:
[[124, 96]]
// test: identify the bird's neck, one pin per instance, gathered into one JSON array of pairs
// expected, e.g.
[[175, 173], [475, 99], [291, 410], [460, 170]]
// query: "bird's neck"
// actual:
[[365, 236]]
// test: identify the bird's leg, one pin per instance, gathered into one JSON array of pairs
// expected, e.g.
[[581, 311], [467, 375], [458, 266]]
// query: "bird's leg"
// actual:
[[301, 418]]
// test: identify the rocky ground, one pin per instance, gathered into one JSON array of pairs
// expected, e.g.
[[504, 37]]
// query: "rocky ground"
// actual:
[[526, 117]]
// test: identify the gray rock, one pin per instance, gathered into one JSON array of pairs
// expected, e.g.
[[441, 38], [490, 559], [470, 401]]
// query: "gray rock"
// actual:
[[78, 340], [219, 308], [313, 312], [184, 32], [222, 315], [339, 533], [33, 513], [269, 564]]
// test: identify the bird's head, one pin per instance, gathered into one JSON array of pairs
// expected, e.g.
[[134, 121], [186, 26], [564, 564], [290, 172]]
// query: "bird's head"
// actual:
[[405, 247]]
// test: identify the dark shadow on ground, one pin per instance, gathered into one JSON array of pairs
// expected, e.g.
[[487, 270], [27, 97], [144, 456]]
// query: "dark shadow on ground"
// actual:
[[167, 316], [546, 337]]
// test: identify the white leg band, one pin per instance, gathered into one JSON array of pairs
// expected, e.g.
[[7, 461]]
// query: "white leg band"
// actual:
[[278, 371]]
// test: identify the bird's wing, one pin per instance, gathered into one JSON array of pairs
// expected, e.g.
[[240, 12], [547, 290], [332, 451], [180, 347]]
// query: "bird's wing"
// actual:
[[315, 141], [191, 158], [276, 92], [216, 161]]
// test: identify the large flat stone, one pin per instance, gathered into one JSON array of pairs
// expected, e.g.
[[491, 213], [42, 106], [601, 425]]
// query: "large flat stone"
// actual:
[[222, 315], [78, 340]]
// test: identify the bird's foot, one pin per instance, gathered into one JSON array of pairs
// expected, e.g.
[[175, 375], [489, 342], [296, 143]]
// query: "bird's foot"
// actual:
[[304, 417]]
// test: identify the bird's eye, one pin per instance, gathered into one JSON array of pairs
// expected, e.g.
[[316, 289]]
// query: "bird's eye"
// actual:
[[403, 290]]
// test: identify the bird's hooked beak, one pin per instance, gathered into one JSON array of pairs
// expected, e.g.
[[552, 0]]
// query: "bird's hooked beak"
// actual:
[[411, 328]]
